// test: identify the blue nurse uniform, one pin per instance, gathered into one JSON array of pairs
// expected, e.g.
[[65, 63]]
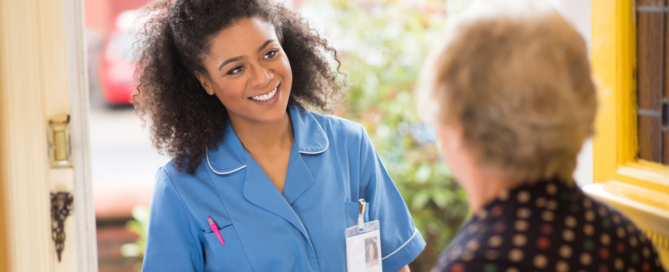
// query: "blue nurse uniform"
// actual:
[[332, 165]]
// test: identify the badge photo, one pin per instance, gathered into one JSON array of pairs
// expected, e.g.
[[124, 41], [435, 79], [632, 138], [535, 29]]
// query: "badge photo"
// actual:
[[363, 245]]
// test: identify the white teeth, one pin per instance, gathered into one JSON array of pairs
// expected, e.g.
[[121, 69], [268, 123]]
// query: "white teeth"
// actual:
[[265, 97]]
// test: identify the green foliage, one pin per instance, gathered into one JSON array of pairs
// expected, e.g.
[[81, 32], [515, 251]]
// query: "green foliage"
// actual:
[[382, 45], [140, 226]]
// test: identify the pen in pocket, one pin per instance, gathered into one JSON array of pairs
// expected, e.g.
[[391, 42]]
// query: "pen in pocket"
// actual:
[[214, 228]]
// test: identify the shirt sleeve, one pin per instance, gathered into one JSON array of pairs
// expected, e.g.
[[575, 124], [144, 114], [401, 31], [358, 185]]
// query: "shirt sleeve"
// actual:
[[173, 242], [400, 240]]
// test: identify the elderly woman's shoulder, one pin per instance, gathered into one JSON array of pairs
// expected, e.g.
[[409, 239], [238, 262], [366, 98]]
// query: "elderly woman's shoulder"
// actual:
[[549, 226]]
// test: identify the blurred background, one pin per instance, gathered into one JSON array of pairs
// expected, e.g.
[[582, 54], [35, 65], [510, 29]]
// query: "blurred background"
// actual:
[[382, 44]]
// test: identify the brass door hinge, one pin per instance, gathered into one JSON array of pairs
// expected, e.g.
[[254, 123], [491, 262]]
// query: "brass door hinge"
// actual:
[[58, 135]]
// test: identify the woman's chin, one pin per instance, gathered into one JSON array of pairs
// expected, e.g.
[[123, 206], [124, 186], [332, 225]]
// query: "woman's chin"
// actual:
[[271, 115], [273, 118]]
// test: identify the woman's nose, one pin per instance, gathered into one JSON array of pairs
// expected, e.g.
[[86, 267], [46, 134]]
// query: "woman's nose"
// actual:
[[260, 76]]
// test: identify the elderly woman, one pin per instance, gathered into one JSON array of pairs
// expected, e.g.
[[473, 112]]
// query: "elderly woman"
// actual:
[[512, 100]]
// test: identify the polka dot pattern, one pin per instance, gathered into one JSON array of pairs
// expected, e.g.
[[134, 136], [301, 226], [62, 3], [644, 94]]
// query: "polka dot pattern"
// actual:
[[562, 266], [540, 261], [491, 255], [565, 251], [523, 213], [588, 230], [546, 229], [516, 255], [605, 239], [547, 216], [552, 205], [503, 196], [590, 216], [499, 227], [497, 210], [543, 243], [621, 232], [472, 245], [587, 203], [547, 226], [521, 225], [586, 260], [519, 240], [568, 235], [523, 196], [495, 241]]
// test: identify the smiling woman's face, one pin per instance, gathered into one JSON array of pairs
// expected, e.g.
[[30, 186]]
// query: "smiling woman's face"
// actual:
[[249, 72]]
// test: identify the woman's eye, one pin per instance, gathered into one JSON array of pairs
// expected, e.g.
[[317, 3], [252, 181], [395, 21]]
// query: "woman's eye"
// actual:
[[236, 70], [271, 54]]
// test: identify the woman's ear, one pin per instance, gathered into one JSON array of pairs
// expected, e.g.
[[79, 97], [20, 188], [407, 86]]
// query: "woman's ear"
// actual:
[[206, 84]]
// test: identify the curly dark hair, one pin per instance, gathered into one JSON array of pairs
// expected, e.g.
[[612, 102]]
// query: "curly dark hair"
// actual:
[[184, 120]]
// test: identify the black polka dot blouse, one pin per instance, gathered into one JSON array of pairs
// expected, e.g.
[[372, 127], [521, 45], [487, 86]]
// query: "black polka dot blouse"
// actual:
[[548, 226]]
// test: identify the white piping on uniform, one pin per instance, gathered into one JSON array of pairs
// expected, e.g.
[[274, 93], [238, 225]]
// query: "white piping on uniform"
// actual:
[[396, 250], [221, 173], [326, 139]]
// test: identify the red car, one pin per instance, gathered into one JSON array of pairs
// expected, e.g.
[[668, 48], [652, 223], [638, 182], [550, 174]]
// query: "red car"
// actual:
[[116, 73]]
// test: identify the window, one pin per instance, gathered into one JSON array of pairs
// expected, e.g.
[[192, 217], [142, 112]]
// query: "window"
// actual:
[[652, 88]]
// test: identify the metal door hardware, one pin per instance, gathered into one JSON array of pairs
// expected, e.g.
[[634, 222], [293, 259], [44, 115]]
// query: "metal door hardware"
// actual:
[[59, 143], [61, 207]]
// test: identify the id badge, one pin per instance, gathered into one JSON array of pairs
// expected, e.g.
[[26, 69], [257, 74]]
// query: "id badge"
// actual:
[[363, 245]]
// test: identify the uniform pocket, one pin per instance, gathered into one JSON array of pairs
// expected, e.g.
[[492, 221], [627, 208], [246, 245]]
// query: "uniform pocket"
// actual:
[[352, 212], [231, 256]]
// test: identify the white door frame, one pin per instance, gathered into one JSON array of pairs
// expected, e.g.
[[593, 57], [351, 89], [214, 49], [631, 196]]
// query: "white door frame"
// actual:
[[79, 130]]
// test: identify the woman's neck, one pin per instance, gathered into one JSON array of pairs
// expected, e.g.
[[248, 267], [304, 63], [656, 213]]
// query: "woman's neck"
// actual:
[[260, 137], [483, 185]]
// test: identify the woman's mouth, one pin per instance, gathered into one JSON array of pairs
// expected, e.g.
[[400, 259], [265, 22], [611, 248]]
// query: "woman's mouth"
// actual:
[[266, 96], [267, 99]]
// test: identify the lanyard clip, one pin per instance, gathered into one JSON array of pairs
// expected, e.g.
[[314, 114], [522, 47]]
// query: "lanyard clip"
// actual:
[[361, 216]]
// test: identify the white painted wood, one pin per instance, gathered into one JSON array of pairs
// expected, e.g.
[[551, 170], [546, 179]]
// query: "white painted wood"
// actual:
[[579, 13], [24, 173], [583, 174], [79, 130]]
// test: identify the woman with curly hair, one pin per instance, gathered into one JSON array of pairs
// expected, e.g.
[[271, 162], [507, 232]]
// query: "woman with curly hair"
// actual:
[[257, 182]]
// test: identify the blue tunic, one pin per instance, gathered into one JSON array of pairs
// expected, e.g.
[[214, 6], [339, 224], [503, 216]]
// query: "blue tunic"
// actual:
[[332, 165]]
